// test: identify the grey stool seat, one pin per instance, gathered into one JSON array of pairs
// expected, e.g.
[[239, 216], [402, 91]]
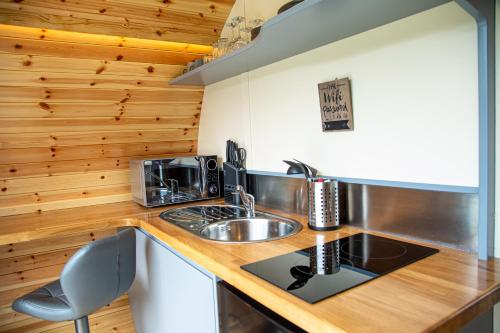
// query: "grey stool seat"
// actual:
[[47, 302], [93, 277]]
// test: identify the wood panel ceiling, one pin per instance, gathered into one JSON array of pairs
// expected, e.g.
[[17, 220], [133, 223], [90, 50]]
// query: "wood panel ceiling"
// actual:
[[187, 21]]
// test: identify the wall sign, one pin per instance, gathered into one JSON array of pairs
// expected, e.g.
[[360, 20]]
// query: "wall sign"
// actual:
[[336, 106]]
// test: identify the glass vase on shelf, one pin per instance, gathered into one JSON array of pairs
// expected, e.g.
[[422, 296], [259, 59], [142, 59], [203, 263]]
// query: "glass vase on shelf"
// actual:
[[239, 41], [215, 50], [207, 58], [223, 46], [230, 42], [246, 34]]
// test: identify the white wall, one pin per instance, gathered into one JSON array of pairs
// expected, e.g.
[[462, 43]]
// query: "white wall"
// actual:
[[414, 87]]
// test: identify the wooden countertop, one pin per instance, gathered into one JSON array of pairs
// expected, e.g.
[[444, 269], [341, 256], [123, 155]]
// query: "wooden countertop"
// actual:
[[437, 294]]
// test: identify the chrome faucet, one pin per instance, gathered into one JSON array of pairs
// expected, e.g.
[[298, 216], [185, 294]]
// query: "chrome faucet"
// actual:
[[248, 201]]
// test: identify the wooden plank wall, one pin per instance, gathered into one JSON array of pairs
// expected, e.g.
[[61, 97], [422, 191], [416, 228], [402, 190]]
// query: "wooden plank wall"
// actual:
[[187, 21], [75, 107]]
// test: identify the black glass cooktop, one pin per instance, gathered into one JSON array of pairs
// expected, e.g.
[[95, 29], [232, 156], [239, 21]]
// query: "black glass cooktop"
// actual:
[[330, 268]]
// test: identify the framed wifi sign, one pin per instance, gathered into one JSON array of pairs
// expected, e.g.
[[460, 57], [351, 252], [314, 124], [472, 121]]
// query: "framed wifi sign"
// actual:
[[336, 105]]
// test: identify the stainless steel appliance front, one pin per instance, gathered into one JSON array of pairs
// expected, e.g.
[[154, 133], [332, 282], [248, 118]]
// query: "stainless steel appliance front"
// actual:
[[158, 182]]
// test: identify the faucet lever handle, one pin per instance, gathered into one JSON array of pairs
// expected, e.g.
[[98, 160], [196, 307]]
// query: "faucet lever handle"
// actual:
[[247, 199], [239, 190]]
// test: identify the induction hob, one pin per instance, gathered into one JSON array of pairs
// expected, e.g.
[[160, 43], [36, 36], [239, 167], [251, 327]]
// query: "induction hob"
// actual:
[[327, 269]]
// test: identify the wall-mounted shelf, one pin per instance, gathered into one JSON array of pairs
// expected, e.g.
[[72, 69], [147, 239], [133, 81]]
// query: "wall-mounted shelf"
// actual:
[[309, 25]]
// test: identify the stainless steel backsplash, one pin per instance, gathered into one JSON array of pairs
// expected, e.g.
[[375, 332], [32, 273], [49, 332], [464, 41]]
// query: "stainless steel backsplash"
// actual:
[[447, 218]]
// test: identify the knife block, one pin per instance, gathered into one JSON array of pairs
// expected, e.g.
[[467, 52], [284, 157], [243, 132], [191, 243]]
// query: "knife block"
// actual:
[[232, 177]]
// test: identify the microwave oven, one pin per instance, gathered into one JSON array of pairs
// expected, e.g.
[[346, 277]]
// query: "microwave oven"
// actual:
[[172, 180]]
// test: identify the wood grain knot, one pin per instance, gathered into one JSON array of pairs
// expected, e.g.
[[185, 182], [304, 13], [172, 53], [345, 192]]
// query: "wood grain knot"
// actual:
[[100, 69], [102, 11], [26, 63], [151, 69], [119, 57], [18, 46], [44, 106]]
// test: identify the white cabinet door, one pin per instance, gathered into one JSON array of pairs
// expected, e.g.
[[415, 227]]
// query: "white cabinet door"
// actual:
[[169, 294]]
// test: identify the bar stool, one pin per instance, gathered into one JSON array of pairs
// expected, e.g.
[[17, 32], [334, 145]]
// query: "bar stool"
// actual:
[[93, 277]]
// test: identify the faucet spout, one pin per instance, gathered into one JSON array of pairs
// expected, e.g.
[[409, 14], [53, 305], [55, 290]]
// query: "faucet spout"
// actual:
[[248, 201]]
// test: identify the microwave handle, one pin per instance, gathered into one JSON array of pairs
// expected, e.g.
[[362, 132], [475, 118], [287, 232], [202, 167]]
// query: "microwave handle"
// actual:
[[202, 160]]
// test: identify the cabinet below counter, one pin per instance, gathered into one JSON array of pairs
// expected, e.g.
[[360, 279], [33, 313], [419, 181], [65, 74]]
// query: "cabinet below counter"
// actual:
[[169, 292], [440, 293]]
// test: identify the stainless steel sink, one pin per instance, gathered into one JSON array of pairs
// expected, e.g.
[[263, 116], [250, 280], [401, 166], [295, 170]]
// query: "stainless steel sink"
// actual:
[[251, 230], [227, 223]]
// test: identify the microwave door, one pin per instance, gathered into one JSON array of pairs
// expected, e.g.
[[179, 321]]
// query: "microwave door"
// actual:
[[183, 174]]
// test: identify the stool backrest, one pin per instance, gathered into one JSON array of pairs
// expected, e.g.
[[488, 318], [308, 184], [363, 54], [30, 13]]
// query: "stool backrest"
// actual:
[[99, 272]]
